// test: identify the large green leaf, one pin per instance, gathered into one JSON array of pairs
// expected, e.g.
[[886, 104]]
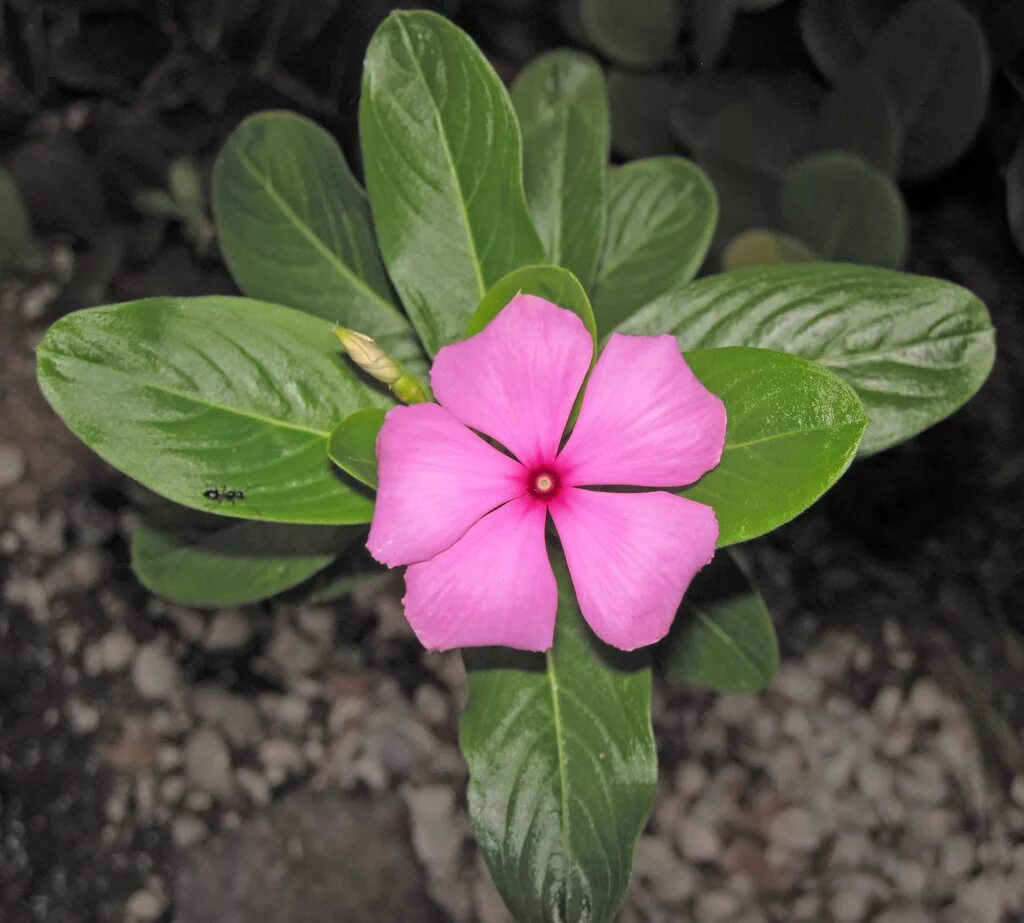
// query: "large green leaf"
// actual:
[[353, 444], [557, 285], [229, 563], [723, 636], [443, 160], [935, 61], [295, 229], [914, 349], [845, 210], [562, 104], [635, 34], [793, 429], [661, 216], [189, 395], [562, 768]]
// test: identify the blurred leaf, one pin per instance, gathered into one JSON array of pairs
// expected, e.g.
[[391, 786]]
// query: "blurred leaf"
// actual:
[[353, 444], [443, 161], [845, 210], [109, 53], [17, 244], [763, 247], [61, 188], [295, 229], [185, 395], [701, 98], [562, 767], [635, 34], [723, 636], [860, 117], [914, 349], [1015, 197], [227, 563], [557, 285], [710, 23], [661, 216], [640, 114], [793, 429], [562, 104], [934, 60], [836, 32]]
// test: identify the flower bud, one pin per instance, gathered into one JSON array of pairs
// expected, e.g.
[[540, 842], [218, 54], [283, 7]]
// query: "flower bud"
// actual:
[[365, 353]]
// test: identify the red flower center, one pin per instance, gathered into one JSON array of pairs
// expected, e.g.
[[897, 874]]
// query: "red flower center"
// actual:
[[543, 482]]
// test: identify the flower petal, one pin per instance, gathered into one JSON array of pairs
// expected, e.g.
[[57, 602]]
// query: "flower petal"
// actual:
[[631, 557], [646, 420], [493, 586], [518, 378], [436, 478]]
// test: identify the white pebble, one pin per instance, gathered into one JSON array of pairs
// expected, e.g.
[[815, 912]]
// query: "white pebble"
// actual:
[[154, 673]]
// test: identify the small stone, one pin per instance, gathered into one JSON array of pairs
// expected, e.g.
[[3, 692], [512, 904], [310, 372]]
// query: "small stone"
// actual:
[[957, 856], [716, 906], [853, 896], [671, 880], [433, 704], [396, 741], [208, 762], [236, 717], [876, 780], [487, 901], [254, 785], [1017, 790], [229, 630], [291, 653], [145, 906], [154, 673], [187, 830], [116, 649], [982, 899], [436, 839], [887, 704], [794, 829], [281, 759], [12, 465], [172, 789], [84, 719], [698, 841], [797, 684], [903, 914], [926, 701], [691, 778], [909, 877]]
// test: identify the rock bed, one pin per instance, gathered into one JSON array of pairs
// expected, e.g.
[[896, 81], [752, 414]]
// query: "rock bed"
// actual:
[[853, 789]]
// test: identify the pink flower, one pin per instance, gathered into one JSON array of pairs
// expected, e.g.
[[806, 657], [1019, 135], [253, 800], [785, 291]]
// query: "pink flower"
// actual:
[[469, 520]]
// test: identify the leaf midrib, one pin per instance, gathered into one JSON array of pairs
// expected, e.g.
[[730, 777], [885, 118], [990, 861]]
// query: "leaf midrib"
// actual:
[[556, 717], [727, 639], [446, 148], [332, 259], [184, 395], [796, 432]]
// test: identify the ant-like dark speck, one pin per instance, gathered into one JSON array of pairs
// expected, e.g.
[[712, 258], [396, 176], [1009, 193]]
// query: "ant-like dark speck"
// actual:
[[220, 494]]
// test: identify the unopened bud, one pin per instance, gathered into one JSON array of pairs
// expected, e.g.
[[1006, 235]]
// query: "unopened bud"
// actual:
[[367, 354]]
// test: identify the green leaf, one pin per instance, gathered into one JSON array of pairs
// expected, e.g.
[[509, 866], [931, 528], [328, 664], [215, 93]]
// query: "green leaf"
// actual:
[[557, 285], [914, 349], [634, 34], [762, 247], [295, 228], [562, 768], [845, 210], [835, 32], [711, 22], [1015, 196], [17, 243], [860, 117], [191, 394], [562, 104], [723, 636], [353, 444], [935, 62], [640, 125], [793, 429], [443, 160], [229, 563], [661, 216]]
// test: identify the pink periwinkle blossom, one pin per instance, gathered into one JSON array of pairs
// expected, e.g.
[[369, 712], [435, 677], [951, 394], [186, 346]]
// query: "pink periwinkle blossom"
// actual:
[[469, 520]]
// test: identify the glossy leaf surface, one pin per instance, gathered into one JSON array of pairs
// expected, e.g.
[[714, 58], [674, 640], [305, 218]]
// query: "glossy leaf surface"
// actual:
[[793, 429], [216, 393], [914, 349], [661, 216], [562, 768], [295, 229], [723, 636], [562, 104], [353, 444], [443, 159]]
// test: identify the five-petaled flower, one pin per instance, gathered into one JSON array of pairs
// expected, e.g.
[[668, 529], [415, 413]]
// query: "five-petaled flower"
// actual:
[[470, 520]]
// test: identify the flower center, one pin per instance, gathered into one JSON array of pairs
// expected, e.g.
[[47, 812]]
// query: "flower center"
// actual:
[[543, 483]]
